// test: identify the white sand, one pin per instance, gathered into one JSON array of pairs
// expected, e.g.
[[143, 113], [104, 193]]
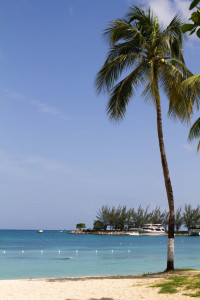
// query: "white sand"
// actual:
[[86, 289]]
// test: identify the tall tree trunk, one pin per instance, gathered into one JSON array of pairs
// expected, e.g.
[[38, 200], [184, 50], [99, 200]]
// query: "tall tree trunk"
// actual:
[[168, 186]]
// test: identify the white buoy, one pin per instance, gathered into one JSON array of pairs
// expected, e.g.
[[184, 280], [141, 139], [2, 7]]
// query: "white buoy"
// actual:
[[22, 251], [41, 251], [76, 251], [112, 251], [129, 250], [96, 251], [59, 251], [4, 252], [120, 244]]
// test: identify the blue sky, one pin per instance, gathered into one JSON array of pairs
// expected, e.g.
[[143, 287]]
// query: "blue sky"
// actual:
[[61, 158]]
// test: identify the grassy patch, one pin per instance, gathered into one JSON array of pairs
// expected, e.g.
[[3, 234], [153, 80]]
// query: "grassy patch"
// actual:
[[174, 284], [171, 284]]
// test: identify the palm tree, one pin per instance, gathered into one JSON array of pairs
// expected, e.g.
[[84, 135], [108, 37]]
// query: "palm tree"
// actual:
[[193, 84], [153, 55]]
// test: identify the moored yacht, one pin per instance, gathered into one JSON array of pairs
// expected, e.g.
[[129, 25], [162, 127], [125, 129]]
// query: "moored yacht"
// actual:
[[152, 230], [194, 231]]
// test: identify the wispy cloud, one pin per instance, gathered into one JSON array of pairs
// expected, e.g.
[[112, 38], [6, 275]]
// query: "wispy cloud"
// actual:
[[187, 147], [41, 106], [39, 169]]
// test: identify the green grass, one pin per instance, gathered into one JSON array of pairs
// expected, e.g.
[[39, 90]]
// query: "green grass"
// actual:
[[189, 284]]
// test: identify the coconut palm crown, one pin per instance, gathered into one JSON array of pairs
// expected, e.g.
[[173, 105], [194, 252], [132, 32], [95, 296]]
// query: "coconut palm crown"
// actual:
[[152, 56], [193, 83]]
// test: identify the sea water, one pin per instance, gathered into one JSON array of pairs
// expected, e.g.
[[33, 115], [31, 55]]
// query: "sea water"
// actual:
[[28, 254]]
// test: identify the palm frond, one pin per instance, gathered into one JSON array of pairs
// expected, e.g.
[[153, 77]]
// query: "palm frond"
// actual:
[[172, 74], [151, 91], [137, 14], [131, 47], [195, 130], [123, 91], [111, 71], [174, 28], [191, 82], [121, 30]]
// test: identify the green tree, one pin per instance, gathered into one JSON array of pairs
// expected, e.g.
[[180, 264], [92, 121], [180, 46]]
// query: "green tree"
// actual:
[[178, 218], [98, 225], [195, 19], [114, 214], [153, 55], [103, 216], [129, 218], [191, 217], [156, 216], [193, 83], [122, 217], [80, 226], [165, 220], [141, 216]]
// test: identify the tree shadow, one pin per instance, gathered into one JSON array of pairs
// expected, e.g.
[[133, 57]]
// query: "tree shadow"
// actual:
[[102, 299], [95, 299]]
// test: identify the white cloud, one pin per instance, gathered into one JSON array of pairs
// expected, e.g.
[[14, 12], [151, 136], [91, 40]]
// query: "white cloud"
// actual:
[[42, 107], [166, 9], [187, 147]]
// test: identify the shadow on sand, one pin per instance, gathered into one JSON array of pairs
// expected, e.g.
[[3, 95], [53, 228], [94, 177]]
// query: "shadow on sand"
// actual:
[[95, 299]]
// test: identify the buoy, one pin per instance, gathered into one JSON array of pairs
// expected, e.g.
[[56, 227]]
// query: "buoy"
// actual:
[[4, 252], [22, 251], [59, 251], [129, 250], [76, 251], [112, 251], [96, 251], [41, 251]]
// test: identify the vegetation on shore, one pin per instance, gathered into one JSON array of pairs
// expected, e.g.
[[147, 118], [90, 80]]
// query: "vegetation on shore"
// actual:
[[121, 218], [188, 285], [80, 226]]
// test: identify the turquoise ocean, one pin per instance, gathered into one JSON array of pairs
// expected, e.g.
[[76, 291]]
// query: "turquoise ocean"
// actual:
[[28, 254]]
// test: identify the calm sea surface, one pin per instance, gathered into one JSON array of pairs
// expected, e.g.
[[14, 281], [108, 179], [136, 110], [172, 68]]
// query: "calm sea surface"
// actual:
[[28, 254]]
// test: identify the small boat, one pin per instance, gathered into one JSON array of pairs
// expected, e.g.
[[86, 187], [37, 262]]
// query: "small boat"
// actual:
[[132, 233], [40, 231], [152, 230]]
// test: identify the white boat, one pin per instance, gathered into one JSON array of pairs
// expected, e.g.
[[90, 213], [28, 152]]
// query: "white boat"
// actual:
[[152, 230], [132, 233], [195, 231], [40, 231]]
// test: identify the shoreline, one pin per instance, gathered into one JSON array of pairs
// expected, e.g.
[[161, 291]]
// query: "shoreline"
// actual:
[[116, 233], [163, 274]]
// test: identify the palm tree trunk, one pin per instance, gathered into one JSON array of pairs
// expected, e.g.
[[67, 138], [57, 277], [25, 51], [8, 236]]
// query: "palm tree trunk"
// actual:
[[168, 186]]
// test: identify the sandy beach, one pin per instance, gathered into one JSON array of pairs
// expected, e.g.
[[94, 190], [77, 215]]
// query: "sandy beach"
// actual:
[[102, 288]]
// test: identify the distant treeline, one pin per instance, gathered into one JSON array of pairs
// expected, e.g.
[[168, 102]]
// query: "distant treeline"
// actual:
[[121, 218]]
